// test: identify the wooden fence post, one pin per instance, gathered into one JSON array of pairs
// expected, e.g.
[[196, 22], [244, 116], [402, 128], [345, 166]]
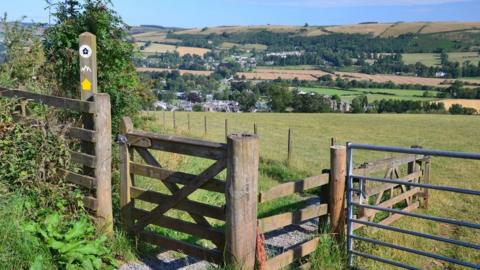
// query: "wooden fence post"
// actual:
[[88, 87], [290, 145], [226, 128], [126, 126], [241, 199], [205, 124], [333, 141], [338, 164], [103, 166], [426, 180], [174, 121], [164, 120], [255, 130]]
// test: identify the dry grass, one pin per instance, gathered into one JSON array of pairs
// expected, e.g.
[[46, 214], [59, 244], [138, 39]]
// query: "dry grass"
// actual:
[[374, 28], [402, 28], [449, 26], [471, 103]]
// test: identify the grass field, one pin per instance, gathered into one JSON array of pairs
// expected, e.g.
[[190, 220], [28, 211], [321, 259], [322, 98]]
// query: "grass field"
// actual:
[[311, 138], [163, 48], [433, 59], [372, 94], [258, 47]]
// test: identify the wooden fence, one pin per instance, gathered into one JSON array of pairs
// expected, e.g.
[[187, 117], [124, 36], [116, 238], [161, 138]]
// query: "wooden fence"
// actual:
[[96, 139], [239, 156]]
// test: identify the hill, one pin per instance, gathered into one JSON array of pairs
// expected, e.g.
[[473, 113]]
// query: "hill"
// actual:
[[375, 29]]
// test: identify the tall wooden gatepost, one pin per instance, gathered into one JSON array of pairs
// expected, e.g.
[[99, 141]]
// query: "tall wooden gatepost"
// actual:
[[336, 206], [241, 199], [101, 123]]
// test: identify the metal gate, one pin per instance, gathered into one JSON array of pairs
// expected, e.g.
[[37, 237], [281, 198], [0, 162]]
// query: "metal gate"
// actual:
[[355, 187]]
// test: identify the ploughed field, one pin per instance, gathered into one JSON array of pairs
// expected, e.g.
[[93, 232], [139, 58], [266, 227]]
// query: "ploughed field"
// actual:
[[311, 140]]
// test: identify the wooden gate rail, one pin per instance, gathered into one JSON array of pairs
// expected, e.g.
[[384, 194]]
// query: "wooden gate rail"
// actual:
[[333, 202], [239, 156], [96, 177], [275, 222], [418, 169]]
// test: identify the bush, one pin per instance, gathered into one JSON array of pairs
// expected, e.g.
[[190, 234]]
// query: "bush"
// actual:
[[31, 153]]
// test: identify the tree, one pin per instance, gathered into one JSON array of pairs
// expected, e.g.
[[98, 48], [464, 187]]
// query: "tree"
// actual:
[[24, 58], [117, 75], [280, 97], [359, 104]]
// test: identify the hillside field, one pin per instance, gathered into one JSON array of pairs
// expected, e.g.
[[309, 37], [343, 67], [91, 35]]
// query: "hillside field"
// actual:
[[433, 59], [154, 48], [376, 29], [311, 139], [372, 94]]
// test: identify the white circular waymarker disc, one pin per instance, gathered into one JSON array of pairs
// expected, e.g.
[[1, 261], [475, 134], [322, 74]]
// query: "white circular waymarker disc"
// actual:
[[85, 51]]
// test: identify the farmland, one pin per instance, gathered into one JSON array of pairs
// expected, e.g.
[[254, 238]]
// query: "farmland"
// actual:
[[376, 29], [154, 48], [432, 59], [471, 103], [313, 75], [372, 94], [311, 139]]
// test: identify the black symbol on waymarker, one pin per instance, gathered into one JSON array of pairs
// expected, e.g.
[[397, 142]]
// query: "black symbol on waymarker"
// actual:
[[85, 51]]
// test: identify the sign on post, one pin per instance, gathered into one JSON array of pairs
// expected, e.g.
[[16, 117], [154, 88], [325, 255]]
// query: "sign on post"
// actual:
[[88, 65]]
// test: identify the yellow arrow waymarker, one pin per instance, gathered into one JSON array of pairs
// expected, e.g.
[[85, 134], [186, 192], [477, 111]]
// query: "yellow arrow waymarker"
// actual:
[[86, 85]]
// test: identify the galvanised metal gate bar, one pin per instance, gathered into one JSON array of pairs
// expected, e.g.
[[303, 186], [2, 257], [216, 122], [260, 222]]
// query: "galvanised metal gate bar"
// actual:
[[360, 191]]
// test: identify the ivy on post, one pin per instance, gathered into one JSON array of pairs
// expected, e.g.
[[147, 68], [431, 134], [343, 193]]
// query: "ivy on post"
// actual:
[[100, 122]]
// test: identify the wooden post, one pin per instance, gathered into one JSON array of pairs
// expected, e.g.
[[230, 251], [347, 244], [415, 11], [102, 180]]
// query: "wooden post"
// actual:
[[88, 65], [126, 126], [188, 120], [338, 164], [103, 164], [164, 120], [290, 145], [205, 124], [23, 107], [426, 180], [411, 168], [226, 128], [88, 87], [255, 130], [174, 121], [333, 141], [241, 199]]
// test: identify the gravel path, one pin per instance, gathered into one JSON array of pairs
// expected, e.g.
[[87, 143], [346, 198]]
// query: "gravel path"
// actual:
[[276, 242]]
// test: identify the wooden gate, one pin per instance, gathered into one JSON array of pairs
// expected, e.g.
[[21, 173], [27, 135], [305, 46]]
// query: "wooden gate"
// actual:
[[240, 155]]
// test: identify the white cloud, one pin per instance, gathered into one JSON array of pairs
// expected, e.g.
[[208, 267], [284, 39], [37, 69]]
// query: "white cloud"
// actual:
[[352, 3]]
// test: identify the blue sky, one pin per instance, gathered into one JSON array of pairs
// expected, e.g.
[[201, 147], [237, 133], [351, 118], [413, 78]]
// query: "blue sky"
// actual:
[[199, 13]]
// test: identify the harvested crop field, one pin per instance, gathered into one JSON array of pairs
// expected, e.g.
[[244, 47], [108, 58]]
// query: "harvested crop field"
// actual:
[[375, 28], [313, 75], [449, 26], [470, 103], [182, 71]]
